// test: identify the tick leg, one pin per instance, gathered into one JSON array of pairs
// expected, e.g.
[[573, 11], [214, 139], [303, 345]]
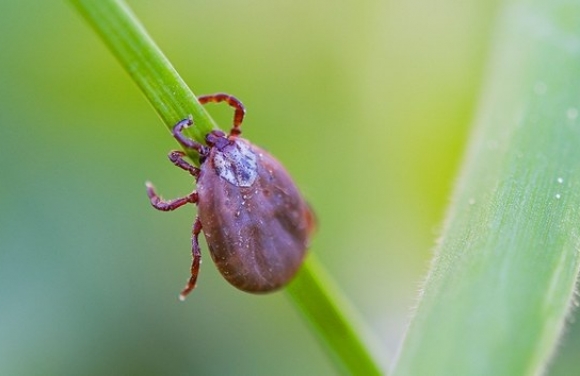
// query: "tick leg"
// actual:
[[234, 102], [195, 252], [186, 142], [176, 157], [159, 204]]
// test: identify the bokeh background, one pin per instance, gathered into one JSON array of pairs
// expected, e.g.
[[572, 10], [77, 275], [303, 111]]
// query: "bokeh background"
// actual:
[[368, 104]]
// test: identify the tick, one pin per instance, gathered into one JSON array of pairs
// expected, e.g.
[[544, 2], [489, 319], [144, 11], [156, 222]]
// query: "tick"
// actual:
[[256, 223]]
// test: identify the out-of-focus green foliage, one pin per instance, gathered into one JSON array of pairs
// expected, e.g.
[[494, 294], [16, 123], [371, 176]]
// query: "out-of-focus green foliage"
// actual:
[[367, 104], [504, 276]]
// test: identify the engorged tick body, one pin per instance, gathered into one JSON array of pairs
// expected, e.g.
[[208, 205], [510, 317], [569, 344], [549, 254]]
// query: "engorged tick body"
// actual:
[[256, 223]]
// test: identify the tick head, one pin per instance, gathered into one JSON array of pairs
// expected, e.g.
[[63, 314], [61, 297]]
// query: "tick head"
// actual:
[[216, 139]]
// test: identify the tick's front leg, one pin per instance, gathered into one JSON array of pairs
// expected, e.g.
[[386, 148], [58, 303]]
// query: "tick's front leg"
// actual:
[[196, 254], [234, 102], [159, 204]]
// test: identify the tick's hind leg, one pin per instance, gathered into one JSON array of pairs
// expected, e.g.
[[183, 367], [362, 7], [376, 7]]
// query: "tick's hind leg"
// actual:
[[160, 204], [196, 254]]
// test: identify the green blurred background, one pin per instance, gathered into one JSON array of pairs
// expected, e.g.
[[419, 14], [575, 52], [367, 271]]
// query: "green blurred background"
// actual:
[[368, 104]]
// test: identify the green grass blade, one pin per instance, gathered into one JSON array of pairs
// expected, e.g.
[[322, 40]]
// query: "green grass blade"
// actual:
[[504, 273], [146, 64], [346, 338], [313, 292]]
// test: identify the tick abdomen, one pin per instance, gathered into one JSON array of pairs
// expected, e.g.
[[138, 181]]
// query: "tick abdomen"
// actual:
[[257, 234]]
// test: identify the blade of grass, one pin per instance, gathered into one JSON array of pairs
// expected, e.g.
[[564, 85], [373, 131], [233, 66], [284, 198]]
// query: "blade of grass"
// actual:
[[312, 290], [148, 67], [347, 339], [505, 268]]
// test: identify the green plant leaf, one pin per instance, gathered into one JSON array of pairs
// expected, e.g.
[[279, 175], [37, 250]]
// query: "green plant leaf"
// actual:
[[347, 339], [148, 67], [505, 268]]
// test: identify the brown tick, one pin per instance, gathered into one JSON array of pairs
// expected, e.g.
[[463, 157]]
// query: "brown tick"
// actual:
[[256, 223]]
